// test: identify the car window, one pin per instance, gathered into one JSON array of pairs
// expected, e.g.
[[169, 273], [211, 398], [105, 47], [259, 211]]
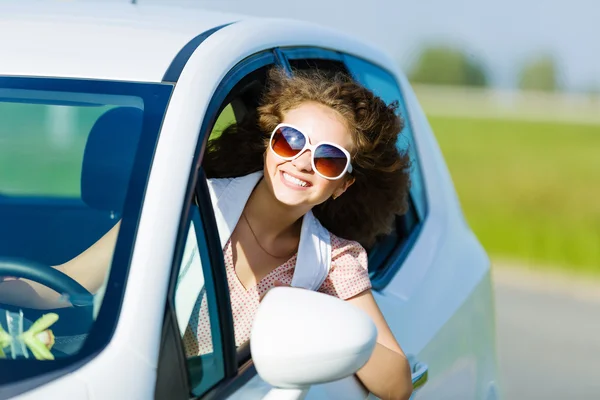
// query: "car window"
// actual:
[[225, 119], [384, 85], [75, 158], [387, 255], [196, 310]]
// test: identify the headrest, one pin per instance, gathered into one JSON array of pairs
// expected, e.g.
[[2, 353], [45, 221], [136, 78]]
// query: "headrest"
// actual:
[[108, 158]]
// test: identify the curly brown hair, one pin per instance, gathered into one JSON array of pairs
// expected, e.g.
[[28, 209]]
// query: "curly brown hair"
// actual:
[[368, 207]]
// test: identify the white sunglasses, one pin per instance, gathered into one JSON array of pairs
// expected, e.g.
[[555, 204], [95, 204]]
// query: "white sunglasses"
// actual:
[[329, 160]]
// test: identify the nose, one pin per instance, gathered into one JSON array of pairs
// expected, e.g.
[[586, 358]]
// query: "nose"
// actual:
[[303, 162]]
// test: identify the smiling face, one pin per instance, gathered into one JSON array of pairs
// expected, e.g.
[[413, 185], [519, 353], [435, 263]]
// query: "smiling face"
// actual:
[[294, 182]]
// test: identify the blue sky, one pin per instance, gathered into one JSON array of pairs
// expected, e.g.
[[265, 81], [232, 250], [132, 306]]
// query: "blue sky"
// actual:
[[502, 33]]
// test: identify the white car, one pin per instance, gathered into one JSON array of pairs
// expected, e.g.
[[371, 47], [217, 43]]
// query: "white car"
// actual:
[[105, 110]]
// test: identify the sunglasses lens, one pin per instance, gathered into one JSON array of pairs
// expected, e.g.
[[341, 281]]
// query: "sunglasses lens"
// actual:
[[287, 142], [330, 160]]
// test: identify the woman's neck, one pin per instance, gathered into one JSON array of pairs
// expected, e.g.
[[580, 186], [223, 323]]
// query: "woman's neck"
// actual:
[[271, 219]]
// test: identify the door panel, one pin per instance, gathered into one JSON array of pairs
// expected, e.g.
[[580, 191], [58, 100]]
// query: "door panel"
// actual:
[[461, 353]]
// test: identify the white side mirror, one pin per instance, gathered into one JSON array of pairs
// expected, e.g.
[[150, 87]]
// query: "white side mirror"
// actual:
[[300, 338]]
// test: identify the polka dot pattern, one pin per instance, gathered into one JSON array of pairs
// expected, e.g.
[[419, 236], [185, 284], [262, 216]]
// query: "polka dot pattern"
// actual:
[[347, 278]]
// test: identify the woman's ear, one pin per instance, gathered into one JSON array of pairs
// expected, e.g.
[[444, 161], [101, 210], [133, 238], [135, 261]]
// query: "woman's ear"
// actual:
[[340, 190]]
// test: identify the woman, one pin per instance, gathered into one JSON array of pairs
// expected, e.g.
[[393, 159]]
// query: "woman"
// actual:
[[327, 149]]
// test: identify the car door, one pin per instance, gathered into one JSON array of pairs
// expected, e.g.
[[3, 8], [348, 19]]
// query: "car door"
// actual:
[[434, 288]]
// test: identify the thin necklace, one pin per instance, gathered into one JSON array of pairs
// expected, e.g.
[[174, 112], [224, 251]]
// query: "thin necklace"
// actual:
[[258, 242]]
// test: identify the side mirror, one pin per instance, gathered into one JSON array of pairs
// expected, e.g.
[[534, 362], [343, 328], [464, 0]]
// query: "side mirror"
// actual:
[[301, 338]]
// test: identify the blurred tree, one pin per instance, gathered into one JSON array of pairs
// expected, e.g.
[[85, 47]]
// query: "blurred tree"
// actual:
[[443, 65], [539, 73]]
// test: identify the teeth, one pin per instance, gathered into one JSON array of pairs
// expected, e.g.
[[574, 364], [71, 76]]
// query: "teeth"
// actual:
[[293, 180]]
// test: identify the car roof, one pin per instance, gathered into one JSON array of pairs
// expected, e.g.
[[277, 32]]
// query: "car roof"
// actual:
[[99, 41], [138, 43]]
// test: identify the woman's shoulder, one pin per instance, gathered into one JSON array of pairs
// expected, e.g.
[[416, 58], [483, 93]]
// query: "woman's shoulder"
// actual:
[[349, 274], [347, 254], [340, 246]]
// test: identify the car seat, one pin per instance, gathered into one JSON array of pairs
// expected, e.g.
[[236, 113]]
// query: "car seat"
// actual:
[[108, 159]]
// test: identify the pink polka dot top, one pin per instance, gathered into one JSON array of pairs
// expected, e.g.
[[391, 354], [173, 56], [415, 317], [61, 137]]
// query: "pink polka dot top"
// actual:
[[347, 278]]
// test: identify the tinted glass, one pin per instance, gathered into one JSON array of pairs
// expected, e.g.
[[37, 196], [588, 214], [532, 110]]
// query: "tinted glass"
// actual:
[[384, 85], [74, 160], [196, 310]]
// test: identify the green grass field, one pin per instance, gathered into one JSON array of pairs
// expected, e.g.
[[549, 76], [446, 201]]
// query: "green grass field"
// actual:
[[530, 190]]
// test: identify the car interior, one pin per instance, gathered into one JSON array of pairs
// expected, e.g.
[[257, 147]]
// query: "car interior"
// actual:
[[52, 231]]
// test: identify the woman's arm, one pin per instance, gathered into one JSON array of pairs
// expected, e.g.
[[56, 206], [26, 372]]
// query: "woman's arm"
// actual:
[[88, 268], [387, 373]]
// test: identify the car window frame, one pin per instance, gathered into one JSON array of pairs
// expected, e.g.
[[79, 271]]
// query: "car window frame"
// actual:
[[238, 366]]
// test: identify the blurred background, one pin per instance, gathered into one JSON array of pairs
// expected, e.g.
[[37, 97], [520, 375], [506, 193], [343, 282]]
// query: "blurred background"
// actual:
[[512, 91]]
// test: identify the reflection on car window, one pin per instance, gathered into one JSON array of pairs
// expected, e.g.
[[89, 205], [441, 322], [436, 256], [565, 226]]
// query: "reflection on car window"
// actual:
[[42, 147], [195, 307]]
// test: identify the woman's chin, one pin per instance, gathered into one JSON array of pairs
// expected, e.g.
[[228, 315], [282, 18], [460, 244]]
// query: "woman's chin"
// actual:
[[292, 198], [293, 195], [289, 198]]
